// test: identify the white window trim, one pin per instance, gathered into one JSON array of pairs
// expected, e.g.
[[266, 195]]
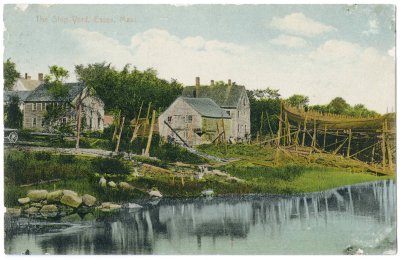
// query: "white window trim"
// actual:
[[34, 106], [34, 119]]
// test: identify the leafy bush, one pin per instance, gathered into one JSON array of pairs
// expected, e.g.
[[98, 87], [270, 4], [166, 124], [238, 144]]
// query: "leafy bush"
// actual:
[[66, 159], [22, 167], [42, 156], [110, 165]]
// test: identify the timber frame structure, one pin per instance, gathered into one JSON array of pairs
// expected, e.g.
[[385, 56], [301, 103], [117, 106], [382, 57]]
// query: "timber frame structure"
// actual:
[[372, 140]]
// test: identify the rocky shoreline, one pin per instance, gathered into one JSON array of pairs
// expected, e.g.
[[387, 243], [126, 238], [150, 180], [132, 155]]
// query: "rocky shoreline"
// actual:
[[66, 205]]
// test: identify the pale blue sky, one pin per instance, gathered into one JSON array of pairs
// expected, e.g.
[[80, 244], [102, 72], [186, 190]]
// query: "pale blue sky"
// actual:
[[307, 49]]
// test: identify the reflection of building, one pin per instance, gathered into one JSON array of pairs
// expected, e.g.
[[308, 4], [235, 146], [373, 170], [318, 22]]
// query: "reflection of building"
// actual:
[[40, 99]]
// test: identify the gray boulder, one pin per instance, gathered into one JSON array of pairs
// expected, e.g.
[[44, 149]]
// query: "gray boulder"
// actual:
[[70, 192], [14, 212], [49, 210], [36, 204], [37, 195], [71, 200], [32, 211], [54, 196], [71, 218], [155, 194], [24, 201], [88, 200], [103, 182], [112, 184], [125, 186]]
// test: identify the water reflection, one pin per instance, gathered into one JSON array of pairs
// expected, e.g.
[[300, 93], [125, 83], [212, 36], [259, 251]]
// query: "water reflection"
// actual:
[[318, 223]]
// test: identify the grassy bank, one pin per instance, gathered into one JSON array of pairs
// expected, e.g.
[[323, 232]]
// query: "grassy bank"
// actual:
[[257, 171]]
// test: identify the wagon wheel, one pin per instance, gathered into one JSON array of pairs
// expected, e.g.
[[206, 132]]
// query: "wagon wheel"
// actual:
[[13, 137]]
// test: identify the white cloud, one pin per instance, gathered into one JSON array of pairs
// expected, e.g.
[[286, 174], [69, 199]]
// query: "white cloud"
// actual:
[[21, 7], [336, 68], [336, 51], [373, 27], [289, 41], [299, 24]]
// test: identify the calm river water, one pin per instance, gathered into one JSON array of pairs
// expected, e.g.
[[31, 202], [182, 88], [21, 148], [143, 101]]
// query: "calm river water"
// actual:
[[361, 216]]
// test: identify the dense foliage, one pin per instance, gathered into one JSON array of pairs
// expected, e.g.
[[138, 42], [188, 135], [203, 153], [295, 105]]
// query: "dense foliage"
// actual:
[[10, 74], [12, 114]]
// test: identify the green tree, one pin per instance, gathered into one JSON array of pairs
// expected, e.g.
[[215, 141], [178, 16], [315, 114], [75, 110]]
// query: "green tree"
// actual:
[[10, 74], [339, 106], [272, 93], [264, 111], [55, 117], [125, 92], [12, 114], [298, 101]]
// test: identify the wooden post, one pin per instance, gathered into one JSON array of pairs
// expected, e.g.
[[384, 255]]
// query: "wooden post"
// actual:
[[289, 134], [324, 137], [153, 119], [297, 135], [224, 133], [314, 141], [116, 124], [349, 144], [278, 139], [284, 135], [383, 147], [337, 133], [121, 128], [373, 154], [305, 130], [269, 125], [261, 122], [147, 119], [389, 148]]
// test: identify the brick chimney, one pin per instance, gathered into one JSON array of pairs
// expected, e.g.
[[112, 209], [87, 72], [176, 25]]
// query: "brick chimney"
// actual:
[[40, 76], [212, 82], [229, 82], [26, 75], [197, 87]]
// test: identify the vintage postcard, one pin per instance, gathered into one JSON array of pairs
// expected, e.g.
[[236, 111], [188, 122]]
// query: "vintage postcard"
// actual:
[[199, 129]]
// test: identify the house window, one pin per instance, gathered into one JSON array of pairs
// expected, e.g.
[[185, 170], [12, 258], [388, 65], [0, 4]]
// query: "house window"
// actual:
[[33, 121], [42, 124], [98, 122], [228, 112], [34, 106], [64, 120], [169, 119], [189, 118]]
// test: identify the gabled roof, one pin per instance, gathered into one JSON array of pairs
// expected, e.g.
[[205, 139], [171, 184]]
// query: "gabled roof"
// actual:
[[224, 95], [42, 94], [29, 84], [21, 94], [206, 107]]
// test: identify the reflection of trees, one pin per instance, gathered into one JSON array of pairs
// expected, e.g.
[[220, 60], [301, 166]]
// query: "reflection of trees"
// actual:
[[220, 218]]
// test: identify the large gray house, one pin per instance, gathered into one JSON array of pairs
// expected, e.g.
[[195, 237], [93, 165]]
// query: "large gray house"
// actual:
[[230, 97], [36, 104], [203, 113]]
